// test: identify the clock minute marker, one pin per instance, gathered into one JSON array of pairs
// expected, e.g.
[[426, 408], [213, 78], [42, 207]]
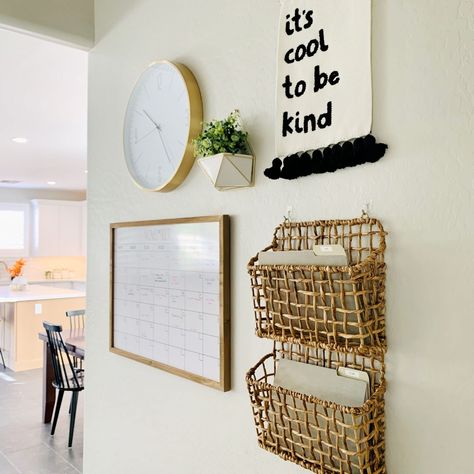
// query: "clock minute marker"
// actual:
[[147, 91], [159, 81], [181, 95], [135, 160], [147, 172]]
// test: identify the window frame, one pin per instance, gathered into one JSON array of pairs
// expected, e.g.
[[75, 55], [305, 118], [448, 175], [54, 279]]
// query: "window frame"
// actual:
[[25, 251]]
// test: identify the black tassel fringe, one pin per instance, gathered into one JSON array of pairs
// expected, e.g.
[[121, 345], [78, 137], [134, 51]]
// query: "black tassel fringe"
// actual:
[[327, 160]]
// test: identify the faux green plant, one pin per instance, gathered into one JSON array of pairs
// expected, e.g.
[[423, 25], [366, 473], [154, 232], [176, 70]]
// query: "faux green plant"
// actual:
[[222, 136]]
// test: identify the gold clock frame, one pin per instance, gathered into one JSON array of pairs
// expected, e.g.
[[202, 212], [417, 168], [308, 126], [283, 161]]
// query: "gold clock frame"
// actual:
[[195, 126]]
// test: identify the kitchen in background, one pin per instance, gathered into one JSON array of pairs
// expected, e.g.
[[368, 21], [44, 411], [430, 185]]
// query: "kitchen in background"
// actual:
[[43, 179], [42, 275], [56, 232]]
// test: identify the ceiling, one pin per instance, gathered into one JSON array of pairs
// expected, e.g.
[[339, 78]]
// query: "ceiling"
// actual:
[[43, 97]]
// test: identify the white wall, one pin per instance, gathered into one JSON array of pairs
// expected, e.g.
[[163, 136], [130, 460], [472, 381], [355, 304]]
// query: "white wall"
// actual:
[[142, 420], [67, 21]]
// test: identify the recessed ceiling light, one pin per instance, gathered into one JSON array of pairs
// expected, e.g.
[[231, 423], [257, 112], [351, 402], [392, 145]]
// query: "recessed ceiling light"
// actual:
[[51, 183], [20, 140], [85, 171]]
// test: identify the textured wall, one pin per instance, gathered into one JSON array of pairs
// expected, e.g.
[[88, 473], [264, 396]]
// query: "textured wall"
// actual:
[[142, 420]]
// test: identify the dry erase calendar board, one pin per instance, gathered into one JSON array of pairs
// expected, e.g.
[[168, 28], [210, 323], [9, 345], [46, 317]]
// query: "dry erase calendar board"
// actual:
[[170, 296]]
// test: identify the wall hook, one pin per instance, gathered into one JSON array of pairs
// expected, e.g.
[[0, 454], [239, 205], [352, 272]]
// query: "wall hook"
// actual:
[[288, 215], [365, 211]]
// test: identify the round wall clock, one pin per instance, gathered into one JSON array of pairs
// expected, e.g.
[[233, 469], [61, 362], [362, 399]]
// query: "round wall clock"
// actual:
[[164, 114]]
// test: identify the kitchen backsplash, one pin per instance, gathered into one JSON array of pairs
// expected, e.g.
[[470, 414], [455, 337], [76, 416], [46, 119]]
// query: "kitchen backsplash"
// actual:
[[61, 267]]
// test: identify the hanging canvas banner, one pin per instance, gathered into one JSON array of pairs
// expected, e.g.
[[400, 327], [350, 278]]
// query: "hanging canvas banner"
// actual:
[[324, 83]]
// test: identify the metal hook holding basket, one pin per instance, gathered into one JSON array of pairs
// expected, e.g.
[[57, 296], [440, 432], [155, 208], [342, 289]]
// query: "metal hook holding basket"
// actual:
[[365, 211], [287, 217]]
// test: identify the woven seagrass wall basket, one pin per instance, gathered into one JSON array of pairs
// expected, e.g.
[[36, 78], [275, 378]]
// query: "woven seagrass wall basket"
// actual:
[[328, 316]]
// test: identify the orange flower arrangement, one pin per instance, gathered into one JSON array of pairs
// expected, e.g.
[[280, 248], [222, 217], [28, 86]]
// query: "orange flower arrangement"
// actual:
[[17, 268]]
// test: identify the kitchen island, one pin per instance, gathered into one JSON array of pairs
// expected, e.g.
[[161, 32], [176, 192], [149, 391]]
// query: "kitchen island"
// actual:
[[21, 319]]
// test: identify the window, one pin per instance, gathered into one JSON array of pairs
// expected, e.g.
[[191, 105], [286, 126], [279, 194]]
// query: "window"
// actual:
[[14, 229]]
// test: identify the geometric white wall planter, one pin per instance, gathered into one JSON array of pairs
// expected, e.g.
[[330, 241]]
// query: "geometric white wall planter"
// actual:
[[228, 171]]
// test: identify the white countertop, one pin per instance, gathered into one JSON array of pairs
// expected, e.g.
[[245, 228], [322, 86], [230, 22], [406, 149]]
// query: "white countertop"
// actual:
[[56, 280], [37, 293], [49, 281]]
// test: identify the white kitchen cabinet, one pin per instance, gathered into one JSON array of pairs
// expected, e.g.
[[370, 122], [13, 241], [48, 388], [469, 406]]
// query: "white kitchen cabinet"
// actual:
[[58, 228]]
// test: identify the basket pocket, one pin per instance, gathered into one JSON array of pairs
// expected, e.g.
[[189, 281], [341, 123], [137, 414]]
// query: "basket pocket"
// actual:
[[319, 435], [337, 306]]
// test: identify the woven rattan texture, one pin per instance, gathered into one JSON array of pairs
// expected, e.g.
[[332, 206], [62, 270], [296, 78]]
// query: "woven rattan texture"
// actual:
[[319, 435], [342, 307]]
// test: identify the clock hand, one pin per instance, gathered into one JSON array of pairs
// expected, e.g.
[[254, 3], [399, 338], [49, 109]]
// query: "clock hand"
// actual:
[[151, 120], [164, 146], [159, 131], [146, 134]]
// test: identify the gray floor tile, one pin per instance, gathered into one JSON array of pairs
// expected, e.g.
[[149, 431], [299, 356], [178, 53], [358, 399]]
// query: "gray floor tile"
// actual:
[[18, 438], [26, 446], [39, 460], [6, 467]]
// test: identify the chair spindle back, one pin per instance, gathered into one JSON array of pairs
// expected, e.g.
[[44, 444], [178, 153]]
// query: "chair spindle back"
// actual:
[[64, 373], [77, 319]]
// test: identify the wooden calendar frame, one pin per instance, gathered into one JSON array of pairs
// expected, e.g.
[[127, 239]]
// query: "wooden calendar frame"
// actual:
[[224, 300]]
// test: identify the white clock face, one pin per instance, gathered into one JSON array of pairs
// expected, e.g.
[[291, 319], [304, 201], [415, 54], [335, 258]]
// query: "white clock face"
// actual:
[[157, 126]]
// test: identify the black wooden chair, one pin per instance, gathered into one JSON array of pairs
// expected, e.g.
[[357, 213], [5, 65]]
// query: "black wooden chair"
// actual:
[[77, 319], [66, 378], [77, 323]]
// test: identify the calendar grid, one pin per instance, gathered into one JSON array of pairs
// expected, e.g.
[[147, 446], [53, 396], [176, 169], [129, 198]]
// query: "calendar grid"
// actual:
[[166, 296]]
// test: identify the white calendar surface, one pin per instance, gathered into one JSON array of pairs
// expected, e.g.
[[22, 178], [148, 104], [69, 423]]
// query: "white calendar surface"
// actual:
[[167, 295]]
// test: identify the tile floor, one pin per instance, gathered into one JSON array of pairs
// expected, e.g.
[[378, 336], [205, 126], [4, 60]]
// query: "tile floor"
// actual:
[[26, 446]]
